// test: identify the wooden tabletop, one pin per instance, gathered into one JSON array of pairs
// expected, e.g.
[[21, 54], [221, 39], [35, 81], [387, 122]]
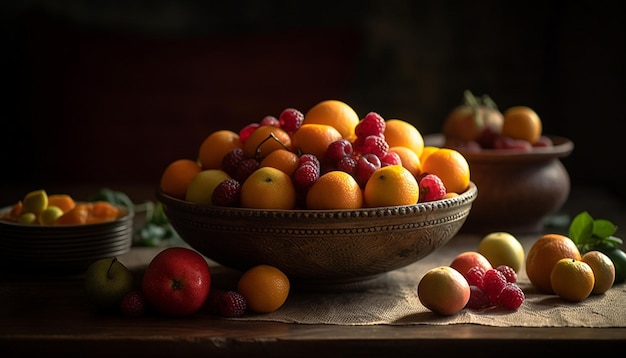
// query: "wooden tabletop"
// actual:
[[50, 315]]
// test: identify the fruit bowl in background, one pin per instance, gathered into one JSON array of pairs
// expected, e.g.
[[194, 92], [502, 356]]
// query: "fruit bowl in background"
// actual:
[[327, 248], [518, 190], [62, 249]]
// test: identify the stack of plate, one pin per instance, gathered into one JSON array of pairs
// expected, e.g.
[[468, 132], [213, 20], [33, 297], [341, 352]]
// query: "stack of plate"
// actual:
[[63, 249]]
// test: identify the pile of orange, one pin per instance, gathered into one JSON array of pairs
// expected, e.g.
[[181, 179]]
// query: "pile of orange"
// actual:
[[324, 123]]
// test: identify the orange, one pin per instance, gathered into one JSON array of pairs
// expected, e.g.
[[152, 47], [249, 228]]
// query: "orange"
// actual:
[[268, 188], [572, 279], [283, 159], [403, 133], [603, 270], [428, 150], [544, 254], [409, 159], [100, 211], [334, 190], [61, 201], [451, 167], [315, 138], [177, 176], [264, 140], [390, 186], [334, 113], [443, 290], [265, 288], [215, 146], [76, 216], [521, 122]]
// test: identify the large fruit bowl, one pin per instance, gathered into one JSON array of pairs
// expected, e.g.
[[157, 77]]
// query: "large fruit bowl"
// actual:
[[518, 190], [62, 249], [317, 248]]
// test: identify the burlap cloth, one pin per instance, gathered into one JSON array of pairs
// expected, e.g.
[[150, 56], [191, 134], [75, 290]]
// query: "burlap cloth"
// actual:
[[392, 300]]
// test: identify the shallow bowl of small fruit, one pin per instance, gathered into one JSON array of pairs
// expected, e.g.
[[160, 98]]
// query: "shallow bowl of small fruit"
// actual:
[[64, 236], [320, 247]]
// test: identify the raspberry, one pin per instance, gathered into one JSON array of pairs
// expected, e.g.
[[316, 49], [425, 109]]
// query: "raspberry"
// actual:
[[493, 283], [371, 124], [307, 157], [475, 276], [245, 132], [365, 167], [508, 273], [227, 193], [305, 175], [232, 160], [391, 158], [290, 119], [133, 304], [511, 296], [478, 298], [270, 121], [339, 149], [431, 188], [211, 303], [247, 167], [347, 164], [376, 145], [231, 304]]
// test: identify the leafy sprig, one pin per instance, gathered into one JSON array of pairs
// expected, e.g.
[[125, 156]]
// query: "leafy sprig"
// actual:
[[589, 233]]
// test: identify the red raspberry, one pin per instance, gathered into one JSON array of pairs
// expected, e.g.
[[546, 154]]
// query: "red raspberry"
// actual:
[[247, 167], [211, 303], [508, 272], [232, 160], [227, 193], [305, 175], [431, 188], [309, 158], [245, 132], [478, 298], [270, 121], [231, 304], [391, 158], [290, 119], [493, 283], [376, 145], [339, 149], [511, 296], [133, 304], [475, 276], [371, 124], [347, 164]]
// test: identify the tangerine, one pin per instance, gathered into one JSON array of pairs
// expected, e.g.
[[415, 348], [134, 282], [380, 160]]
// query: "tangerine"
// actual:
[[264, 140], [62, 201], [283, 159], [405, 134], [544, 254], [334, 190], [451, 167], [390, 186], [315, 138], [265, 288], [334, 113], [268, 188], [215, 146], [409, 159], [177, 176], [572, 279], [603, 270], [521, 122]]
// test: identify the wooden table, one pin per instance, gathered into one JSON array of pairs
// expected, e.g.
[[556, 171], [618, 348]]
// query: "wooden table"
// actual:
[[51, 316]]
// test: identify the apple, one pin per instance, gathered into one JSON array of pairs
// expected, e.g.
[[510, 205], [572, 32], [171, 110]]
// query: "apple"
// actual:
[[468, 259], [106, 281], [443, 290], [177, 281], [502, 248]]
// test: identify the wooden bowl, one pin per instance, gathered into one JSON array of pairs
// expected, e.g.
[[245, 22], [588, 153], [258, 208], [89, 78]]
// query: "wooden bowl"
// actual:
[[518, 190], [319, 247]]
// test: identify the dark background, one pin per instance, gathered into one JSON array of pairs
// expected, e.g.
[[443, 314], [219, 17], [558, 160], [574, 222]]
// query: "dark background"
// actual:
[[110, 92]]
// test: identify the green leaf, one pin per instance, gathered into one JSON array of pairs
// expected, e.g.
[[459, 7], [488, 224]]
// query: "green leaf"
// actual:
[[581, 228], [603, 228]]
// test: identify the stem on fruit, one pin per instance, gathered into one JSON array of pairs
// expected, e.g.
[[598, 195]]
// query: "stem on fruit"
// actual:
[[273, 136], [471, 101], [114, 260]]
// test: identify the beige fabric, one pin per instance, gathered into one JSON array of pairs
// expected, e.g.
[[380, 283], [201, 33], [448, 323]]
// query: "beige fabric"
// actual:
[[392, 300]]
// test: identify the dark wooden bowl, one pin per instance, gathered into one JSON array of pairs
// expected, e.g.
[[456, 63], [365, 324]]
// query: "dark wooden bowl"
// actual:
[[320, 247]]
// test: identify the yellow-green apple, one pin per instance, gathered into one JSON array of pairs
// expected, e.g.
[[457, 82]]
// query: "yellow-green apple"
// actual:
[[502, 248], [443, 290], [177, 281], [106, 281]]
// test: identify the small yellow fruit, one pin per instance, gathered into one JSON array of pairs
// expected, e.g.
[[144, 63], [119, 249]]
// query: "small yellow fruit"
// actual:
[[572, 279], [502, 248], [50, 215], [35, 202], [603, 271]]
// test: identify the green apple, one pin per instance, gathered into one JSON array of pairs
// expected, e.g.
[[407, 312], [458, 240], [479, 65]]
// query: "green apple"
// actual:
[[502, 248], [106, 282]]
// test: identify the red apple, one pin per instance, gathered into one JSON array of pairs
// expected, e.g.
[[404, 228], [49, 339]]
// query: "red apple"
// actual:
[[468, 259], [177, 282]]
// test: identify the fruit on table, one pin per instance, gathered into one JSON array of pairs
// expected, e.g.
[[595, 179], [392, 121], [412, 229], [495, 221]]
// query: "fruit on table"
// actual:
[[603, 270], [502, 248], [443, 290], [329, 137], [572, 279], [264, 287], [106, 281], [618, 257], [544, 254], [464, 261], [177, 281]]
